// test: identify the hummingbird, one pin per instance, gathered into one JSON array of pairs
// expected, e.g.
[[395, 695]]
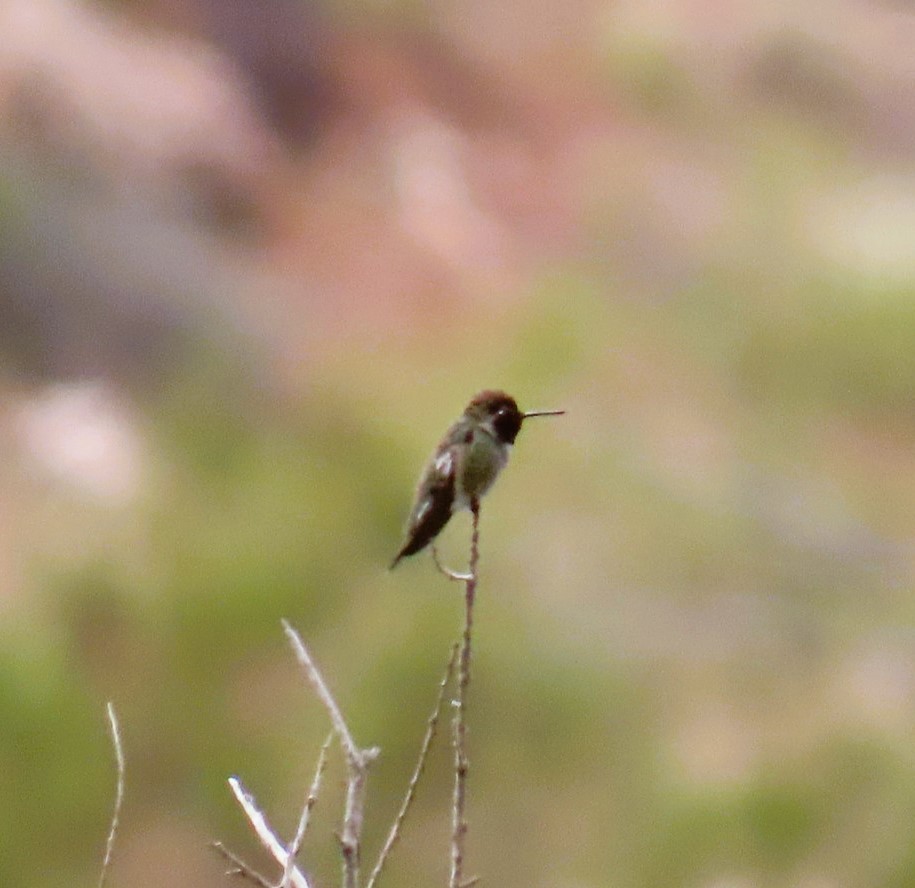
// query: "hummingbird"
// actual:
[[464, 465]]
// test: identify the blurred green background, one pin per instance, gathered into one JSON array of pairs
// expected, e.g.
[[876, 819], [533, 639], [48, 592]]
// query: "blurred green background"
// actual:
[[255, 257]]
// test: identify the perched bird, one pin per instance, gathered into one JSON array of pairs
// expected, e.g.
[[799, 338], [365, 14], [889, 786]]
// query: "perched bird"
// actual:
[[464, 466]]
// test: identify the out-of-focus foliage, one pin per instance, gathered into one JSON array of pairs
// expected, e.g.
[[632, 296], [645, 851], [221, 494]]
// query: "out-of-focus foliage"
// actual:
[[254, 258]]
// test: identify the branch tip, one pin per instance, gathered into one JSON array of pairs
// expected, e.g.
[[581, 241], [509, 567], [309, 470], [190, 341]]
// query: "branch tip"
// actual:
[[119, 792]]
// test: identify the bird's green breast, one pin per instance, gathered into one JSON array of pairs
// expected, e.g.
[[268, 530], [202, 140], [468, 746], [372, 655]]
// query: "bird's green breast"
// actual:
[[483, 460]]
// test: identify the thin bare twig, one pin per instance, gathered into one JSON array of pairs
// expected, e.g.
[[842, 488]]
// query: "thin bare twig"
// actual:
[[239, 867], [431, 728], [357, 762], [119, 794], [461, 761], [264, 832], [447, 571], [316, 680], [310, 800]]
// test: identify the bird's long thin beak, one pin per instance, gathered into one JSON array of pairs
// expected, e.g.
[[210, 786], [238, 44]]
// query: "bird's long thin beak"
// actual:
[[543, 413]]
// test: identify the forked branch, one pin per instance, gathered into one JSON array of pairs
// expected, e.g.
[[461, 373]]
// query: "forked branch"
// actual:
[[357, 762]]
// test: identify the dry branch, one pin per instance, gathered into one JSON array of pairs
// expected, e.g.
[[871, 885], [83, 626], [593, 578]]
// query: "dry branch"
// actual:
[[357, 762], [431, 727], [310, 800], [447, 571], [265, 833], [461, 761], [119, 794], [239, 867]]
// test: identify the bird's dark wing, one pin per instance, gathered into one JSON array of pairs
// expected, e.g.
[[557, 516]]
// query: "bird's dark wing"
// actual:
[[432, 508]]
